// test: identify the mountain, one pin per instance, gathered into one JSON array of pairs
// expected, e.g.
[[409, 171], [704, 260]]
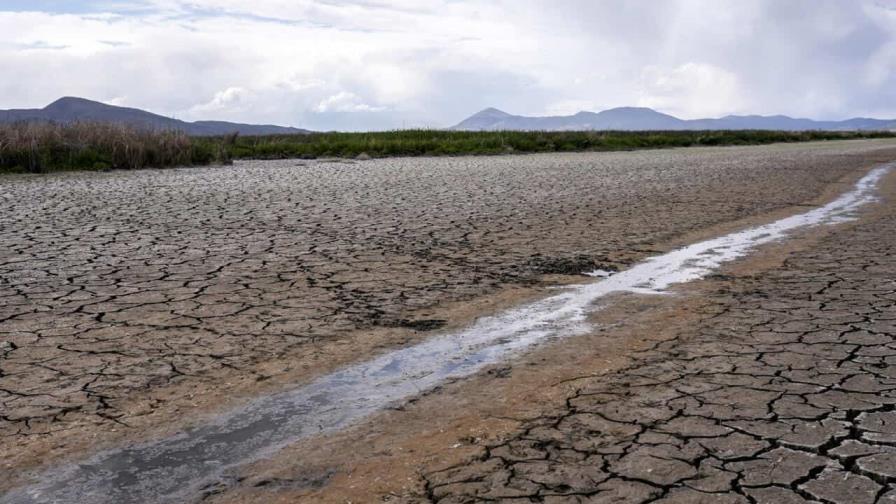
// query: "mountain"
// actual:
[[69, 109], [640, 118]]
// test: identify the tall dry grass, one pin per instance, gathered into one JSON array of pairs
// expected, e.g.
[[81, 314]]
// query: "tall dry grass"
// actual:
[[42, 147]]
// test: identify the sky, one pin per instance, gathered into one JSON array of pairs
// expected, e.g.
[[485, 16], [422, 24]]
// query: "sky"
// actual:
[[378, 64]]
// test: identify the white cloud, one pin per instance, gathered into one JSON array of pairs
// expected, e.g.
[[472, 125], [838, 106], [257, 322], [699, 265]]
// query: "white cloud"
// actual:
[[345, 101], [569, 107], [228, 99], [692, 90], [361, 64]]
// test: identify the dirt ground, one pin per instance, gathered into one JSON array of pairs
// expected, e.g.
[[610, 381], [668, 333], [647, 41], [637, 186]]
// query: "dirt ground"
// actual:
[[133, 303], [770, 382], [783, 391]]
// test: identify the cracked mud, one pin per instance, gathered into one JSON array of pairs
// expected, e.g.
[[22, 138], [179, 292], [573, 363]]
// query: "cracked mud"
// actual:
[[783, 392], [118, 288]]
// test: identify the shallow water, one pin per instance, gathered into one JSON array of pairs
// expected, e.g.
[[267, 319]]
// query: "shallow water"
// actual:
[[176, 468]]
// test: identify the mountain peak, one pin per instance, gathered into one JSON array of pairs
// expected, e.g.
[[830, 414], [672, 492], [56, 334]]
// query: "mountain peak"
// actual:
[[491, 112], [72, 101], [69, 109], [632, 109]]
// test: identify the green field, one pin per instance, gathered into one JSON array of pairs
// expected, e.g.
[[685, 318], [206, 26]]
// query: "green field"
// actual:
[[37, 148]]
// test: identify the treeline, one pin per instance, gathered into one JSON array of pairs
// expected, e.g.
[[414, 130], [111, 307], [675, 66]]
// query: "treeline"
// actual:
[[41, 147]]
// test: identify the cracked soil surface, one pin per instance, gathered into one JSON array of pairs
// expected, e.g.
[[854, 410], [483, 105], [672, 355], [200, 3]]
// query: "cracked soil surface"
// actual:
[[784, 391], [133, 301]]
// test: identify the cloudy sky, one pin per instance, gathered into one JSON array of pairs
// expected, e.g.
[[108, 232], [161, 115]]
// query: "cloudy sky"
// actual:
[[380, 64]]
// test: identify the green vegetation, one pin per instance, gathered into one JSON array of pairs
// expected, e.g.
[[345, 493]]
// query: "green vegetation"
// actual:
[[46, 147], [450, 143]]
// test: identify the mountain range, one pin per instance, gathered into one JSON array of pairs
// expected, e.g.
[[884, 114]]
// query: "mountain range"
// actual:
[[640, 118], [70, 109]]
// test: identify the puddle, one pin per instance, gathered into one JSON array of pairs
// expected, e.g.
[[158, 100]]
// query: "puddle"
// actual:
[[177, 468]]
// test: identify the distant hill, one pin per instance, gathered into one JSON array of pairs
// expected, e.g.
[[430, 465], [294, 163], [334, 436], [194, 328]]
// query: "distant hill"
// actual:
[[640, 118], [69, 109]]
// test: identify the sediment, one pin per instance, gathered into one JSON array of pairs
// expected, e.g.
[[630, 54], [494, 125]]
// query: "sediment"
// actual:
[[134, 301]]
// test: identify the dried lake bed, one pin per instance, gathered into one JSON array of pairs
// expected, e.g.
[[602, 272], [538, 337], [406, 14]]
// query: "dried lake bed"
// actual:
[[134, 302]]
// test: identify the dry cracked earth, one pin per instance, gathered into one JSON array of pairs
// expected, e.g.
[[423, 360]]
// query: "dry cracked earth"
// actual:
[[784, 392], [124, 295]]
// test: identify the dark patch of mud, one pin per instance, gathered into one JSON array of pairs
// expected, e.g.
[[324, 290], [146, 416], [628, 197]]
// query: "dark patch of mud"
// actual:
[[416, 325], [575, 265]]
